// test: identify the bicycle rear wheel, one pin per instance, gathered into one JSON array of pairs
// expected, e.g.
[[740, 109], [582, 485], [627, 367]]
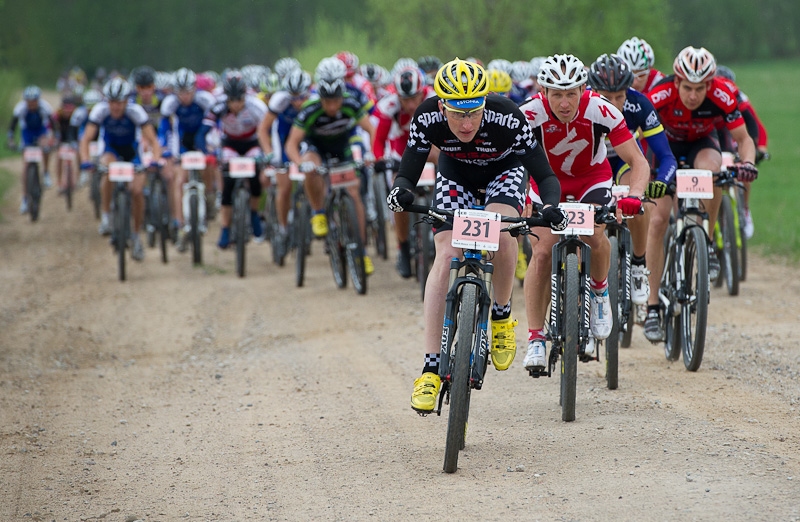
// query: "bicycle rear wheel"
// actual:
[[694, 311], [353, 246], [240, 213], [572, 310], [671, 322], [612, 342], [729, 260], [194, 228], [459, 376], [122, 229], [34, 190]]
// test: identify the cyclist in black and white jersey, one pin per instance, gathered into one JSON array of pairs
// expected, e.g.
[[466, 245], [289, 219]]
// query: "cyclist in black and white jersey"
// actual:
[[485, 141]]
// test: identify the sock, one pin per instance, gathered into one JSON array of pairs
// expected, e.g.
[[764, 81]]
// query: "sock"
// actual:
[[320, 211], [501, 312], [637, 260], [431, 363], [535, 334], [598, 287]]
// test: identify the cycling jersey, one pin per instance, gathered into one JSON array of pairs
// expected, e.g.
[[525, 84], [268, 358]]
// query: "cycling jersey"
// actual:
[[392, 126], [362, 84], [641, 117], [241, 126], [681, 124], [185, 119], [119, 135], [503, 143], [330, 134], [746, 108], [152, 109], [654, 76], [33, 124]]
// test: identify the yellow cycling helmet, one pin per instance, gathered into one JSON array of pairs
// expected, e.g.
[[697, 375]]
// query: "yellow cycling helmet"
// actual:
[[461, 80], [499, 81]]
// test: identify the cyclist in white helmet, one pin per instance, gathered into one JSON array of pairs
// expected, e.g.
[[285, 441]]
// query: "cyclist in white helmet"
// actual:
[[639, 56]]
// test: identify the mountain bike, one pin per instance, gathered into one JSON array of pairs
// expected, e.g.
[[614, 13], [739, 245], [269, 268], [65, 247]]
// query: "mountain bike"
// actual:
[[376, 210], [345, 248], [157, 220], [68, 155], [465, 337], [242, 170], [571, 294], [120, 173], [32, 158], [95, 179], [684, 290], [194, 202]]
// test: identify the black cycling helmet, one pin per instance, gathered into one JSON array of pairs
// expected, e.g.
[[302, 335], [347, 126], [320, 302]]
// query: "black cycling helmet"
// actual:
[[429, 64], [234, 86], [610, 73], [144, 76], [726, 72]]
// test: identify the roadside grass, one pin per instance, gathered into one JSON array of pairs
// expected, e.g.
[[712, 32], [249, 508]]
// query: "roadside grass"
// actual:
[[772, 88]]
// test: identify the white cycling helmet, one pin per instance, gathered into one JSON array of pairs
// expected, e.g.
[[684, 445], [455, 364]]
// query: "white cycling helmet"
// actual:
[[500, 64], [637, 54], [563, 72], [117, 89], [31, 92], [92, 97], [285, 65], [521, 71], [330, 77], [402, 63], [694, 65], [297, 82], [185, 79]]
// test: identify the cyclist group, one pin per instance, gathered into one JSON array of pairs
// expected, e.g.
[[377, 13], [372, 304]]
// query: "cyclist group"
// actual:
[[508, 137]]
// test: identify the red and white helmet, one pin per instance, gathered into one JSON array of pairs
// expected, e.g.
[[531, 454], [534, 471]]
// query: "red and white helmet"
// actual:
[[409, 82], [637, 54], [694, 65], [350, 61], [563, 72]]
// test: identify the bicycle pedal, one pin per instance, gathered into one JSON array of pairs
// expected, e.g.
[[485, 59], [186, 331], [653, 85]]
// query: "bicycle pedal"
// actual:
[[538, 373]]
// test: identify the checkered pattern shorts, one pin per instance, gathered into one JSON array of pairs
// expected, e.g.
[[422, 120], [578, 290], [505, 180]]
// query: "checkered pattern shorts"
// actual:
[[506, 188]]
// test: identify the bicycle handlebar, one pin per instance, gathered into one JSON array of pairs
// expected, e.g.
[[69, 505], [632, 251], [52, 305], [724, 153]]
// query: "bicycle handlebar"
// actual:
[[446, 216]]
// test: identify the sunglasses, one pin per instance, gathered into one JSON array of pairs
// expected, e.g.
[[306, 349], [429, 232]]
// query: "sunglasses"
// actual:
[[642, 73], [465, 115]]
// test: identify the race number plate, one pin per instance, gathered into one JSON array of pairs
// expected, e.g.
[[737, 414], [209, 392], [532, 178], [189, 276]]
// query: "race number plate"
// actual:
[[32, 155], [695, 183], [581, 219], [242, 167], [343, 176], [476, 229], [618, 192], [193, 160], [428, 177], [295, 174], [120, 171], [66, 153]]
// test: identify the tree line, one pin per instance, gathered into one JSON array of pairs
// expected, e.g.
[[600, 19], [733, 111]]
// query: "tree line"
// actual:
[[41, 38]]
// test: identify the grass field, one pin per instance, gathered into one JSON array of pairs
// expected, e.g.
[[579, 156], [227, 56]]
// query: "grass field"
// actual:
[[772, 88]]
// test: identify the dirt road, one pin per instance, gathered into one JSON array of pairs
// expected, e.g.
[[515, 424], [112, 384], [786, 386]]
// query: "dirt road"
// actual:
[[189, 394]]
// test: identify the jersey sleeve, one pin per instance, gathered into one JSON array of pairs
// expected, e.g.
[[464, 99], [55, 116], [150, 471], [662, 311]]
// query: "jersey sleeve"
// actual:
[[137, 114]]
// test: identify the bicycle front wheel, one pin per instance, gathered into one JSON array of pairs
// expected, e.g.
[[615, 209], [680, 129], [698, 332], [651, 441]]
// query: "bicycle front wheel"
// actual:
[[300, 237], [34, 190], [694, 310], [68, 184], [240, 213], [335, 244], [459, 376], [572, 310], [612, 342], [671, 322], [353, 246], [122, 228], [741, 245], [163, 218], [194, 228]]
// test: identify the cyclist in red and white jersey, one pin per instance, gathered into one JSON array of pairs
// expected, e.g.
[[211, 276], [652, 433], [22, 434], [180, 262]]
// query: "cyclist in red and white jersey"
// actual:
[[691, 103], [572, 123], [639, 56], [394, 114]]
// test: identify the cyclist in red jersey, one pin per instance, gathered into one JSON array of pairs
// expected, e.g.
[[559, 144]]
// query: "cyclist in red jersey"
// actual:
[[690, 103], [353, 75], [639, 56], [572, 123], [394, 113]]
